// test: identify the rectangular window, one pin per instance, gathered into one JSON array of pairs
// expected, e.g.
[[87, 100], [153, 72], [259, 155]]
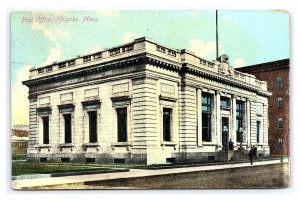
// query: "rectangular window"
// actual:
[[68, 128], [279, 102], [122, 124], [225, 102], [114, 51], [71, 62], [206, 117], [45, 130], [257, 131], [92, 126], [279, 123], [62, 65], [240, 113], [167, 112], [279, 82], [279, 143], [127, 48], [97, 55], [86, 58]]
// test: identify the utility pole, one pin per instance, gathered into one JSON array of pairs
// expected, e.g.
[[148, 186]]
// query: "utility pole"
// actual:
[[217, 45]]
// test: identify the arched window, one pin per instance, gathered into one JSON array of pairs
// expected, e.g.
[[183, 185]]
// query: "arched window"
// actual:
[[279, 82]]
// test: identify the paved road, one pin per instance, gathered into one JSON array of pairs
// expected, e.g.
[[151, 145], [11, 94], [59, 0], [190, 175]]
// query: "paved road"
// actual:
[[133, 173]]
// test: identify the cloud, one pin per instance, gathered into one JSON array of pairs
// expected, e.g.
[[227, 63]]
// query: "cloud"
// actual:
[[110, 13], [19, 100], [129, 37], [54, 54], [52, 34], [93, 50], [239, 62], [201, 48]]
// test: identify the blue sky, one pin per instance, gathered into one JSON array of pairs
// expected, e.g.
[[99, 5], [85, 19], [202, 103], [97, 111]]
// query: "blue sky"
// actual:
[[247, 37]]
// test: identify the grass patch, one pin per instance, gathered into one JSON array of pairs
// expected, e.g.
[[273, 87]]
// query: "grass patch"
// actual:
[[41, 168], [18, 157]]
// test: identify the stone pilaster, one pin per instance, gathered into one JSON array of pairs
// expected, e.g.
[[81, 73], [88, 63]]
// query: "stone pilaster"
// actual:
[[233, 118], [144, 105], [188, 118], [252, 121], [265, 125], [199, 116], [248, 127], [33, 132], [217, 120]]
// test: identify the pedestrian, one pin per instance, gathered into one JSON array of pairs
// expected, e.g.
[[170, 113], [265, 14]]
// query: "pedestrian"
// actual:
[[250, 154], [254, 149], [230, 144]]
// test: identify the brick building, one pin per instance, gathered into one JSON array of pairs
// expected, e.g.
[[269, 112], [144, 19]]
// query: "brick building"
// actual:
[[143, 102], [276, 74]]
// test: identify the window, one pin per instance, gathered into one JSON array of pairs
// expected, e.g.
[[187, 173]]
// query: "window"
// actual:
[[92, 126], [97, 55], [48, 69], [171, 53], [240, 113], [279, 123], [86, 58], [45, 130], [161, 49], [68, 128], [62, 65], [167, 112], [122, 124], [71, 62], [127, 48], [279, 143], [114, 51], [279, 102], [279, 82], [258, 131], [225, 102], [206, 117]]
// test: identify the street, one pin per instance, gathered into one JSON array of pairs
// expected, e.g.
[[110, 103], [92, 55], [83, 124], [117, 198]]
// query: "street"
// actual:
[[272, 176]]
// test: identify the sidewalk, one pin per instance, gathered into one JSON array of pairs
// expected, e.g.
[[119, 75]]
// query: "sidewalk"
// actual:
[[132, 173]]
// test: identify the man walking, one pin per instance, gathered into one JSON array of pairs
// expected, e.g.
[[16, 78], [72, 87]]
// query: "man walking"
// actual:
[[251, 155]]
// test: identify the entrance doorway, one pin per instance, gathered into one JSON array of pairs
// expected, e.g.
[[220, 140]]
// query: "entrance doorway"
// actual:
[[225, 131]]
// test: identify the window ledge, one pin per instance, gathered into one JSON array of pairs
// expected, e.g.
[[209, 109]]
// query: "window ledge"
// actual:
[[66, 145], [44, 146], [168, 143], [91, 145], [225, 108], [208, 144], [94, 144], [168, 98], [121, 144]]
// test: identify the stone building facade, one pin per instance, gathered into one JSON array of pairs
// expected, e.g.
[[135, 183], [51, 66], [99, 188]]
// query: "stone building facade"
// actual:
[[143, 103], [276, 74]]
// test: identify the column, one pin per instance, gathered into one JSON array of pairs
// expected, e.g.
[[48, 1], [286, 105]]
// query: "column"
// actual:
[[33, 126], [248, 127], [199, 116], [218, 119], [233, 118]]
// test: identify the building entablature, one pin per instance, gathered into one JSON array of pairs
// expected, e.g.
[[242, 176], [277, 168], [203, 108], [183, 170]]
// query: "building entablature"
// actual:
[[259, 87], [146, 51]]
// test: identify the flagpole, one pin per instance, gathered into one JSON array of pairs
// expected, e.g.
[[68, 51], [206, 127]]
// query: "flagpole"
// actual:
[[217, 39]]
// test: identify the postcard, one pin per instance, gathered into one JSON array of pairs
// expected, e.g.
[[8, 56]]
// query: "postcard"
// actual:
[[116, 99]]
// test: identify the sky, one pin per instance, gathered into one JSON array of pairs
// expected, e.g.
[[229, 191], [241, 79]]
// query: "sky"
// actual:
[[39, 38]]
